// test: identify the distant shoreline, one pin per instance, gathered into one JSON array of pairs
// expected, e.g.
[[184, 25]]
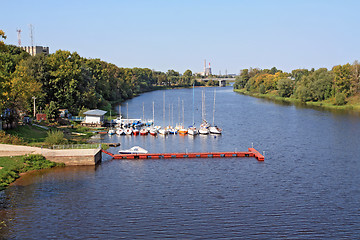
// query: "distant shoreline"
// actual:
[[321, 104]]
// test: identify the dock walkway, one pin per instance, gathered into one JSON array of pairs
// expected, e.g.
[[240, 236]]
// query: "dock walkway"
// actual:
[[251, 153]]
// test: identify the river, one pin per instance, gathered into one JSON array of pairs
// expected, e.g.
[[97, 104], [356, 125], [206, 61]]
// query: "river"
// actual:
[[307, 187]]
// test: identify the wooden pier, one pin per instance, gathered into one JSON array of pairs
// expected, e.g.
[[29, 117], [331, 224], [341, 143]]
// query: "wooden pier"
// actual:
[[251, 153]]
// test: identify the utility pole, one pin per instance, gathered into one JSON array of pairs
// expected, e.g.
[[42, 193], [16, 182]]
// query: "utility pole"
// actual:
[[34, 106]]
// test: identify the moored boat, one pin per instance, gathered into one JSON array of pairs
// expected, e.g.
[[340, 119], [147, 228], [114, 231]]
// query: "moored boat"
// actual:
[[128, 131], [215, 130], [173, 131], [120, 131], [136, 131], [111, 132], [204, 131], [134, 150], [192, 130], [153, 131], [163, 131], [143, 131], [183, 131]]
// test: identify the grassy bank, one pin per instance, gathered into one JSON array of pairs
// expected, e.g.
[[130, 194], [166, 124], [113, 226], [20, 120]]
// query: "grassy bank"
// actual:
[[29, 134], [352, 105], [11, 167], [34, 136]]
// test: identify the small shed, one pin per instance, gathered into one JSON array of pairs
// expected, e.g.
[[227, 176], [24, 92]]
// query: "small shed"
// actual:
[[41, 117], [95, 116]]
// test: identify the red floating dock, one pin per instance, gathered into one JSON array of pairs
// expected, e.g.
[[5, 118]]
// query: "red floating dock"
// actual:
[[251, 153]]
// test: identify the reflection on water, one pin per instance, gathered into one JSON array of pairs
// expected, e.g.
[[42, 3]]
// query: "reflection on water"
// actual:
[[306, 188]]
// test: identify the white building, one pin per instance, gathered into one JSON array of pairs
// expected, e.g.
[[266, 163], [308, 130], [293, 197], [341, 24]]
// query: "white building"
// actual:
[[95, 116], [35, 50]]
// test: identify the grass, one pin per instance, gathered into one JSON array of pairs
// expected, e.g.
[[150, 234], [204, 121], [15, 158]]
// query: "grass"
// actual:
[[37, 137], [29, 134], [11, 167]]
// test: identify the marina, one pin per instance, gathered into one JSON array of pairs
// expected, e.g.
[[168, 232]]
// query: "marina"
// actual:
[[215, 197]]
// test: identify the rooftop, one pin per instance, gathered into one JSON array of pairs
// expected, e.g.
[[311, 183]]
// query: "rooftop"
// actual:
[[95, 112]]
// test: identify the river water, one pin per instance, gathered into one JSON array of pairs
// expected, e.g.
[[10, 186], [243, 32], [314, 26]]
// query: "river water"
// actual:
[[307, 187]]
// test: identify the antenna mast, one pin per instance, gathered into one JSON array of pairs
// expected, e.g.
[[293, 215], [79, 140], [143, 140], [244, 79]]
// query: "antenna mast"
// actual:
[[19, 36], [31, 34]]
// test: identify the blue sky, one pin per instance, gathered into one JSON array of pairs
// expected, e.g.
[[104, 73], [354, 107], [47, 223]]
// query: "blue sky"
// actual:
[[179, 35]]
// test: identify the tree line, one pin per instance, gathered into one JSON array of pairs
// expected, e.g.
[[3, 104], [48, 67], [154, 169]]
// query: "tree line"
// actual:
[[338, 86], [66, 80]]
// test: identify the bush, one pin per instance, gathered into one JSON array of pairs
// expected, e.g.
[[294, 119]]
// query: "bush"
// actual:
[[10, 139], [36, 162], [262, 89], [340, 99], [55, 137]]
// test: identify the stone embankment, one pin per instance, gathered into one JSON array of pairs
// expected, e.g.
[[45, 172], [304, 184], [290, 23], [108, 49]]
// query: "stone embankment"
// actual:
[[71, 157]]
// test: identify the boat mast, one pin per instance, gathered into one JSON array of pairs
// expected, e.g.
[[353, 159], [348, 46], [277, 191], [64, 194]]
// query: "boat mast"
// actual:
[[204, 106], [214, 108], [164, 109], [153, 112], [179, 110], [172, 114], [143, 112], [183, 109], [193, 106]]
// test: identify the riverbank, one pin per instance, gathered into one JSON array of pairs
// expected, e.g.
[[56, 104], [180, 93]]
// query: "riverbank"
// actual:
[[12, 167], [352, 105]]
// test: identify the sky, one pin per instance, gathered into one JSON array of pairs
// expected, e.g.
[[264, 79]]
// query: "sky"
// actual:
[[181, 34]]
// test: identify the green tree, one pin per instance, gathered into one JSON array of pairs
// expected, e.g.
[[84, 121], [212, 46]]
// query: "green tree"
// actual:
[[342, 78], [51, 111], [316, 86], [285, 87], [240, 81]]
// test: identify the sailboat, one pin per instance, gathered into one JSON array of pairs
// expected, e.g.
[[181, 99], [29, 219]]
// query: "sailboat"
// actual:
[[182, 129], [163, 130], [192, 129], [204, 126], [111, 130], [214, 129], [153, 131]]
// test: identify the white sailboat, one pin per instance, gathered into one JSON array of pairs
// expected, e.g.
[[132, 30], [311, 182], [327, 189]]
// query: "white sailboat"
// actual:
[[163, 130], [192, 129], [204, 126], [214, 129], [111, 130]]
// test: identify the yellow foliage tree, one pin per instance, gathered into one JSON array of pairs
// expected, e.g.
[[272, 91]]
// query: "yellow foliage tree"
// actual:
[[2, 74], [22, 88]]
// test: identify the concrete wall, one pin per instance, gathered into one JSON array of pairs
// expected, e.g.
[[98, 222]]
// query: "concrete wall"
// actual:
[[74, 157], [71, 157]]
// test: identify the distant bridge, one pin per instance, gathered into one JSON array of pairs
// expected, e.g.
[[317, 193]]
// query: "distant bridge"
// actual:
[[222, 81]]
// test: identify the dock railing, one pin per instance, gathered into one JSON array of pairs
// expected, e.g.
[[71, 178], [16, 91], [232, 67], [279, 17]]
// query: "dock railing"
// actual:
[[76, 146]]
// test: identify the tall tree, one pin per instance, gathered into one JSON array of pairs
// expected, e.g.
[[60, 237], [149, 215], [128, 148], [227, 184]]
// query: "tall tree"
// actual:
[[342, 78]]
